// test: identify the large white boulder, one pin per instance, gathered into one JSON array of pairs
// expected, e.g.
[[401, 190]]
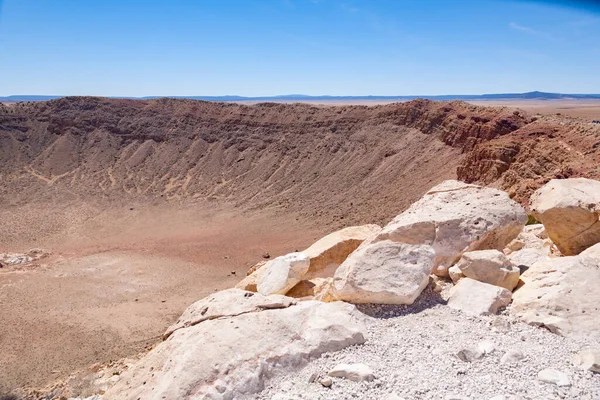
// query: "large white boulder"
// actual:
[[562, 295], [570, 212], [489, 266], [592, 252], [477, 298], [282, 273], [329, 252], [230, 358], [384, 272], [455, 217], [227, 303]]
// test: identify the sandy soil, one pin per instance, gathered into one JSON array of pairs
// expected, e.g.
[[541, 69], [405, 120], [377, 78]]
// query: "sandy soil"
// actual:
[[584, 109], [587, 110], [118, 277]]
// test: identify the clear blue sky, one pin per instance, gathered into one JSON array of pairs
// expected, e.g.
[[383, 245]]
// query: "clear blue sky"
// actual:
[[269, 47]]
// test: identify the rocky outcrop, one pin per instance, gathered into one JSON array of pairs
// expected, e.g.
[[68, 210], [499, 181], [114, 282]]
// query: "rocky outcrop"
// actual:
[[283, 273], [592, 252], [250, 282], [455, 217], [489, 266], [570, 212], [561, 295], [384, 272], [227, 303], [227, 358], [313, 289], [329, 252], [477, 298]]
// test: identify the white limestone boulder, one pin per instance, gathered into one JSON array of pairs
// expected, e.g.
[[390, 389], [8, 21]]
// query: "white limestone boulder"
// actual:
[[230, 358], [329, 252], [570, 212], [384, 272], [227, 303], [455, 273], [562, 295], [526, 258], [455, 217], [531, 237], [592, 252], [489, 266], [477, 298], [282, 273]]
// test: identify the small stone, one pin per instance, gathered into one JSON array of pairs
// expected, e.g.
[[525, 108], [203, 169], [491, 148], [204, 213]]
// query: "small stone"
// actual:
[[313, 377], [558, 378], [266, 255], [470, 355], [393, 396], [326, 382], [588, 359], [353, 372], [512, 357], [501, 324], [487, 346]]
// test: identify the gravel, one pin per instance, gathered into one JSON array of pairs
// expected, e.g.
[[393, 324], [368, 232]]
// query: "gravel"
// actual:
[[413, 351]]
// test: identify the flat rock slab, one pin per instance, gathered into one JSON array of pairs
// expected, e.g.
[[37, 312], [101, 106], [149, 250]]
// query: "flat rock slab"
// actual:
[[489, 266], [227, 303], [477, 298], [229, 358], [562, 295]]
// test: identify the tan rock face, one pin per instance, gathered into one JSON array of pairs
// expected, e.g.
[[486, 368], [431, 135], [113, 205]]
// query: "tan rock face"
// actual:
[[477, 298], [329, 252], [283, 273], [384, 272], [250, 282], [229, 358], [227, 303], [570, 212], [489, 266], [455, 217], [560, 294], [314, 289]]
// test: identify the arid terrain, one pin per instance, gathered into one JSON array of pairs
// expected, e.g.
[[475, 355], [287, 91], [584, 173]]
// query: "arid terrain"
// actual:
[[148, 206]]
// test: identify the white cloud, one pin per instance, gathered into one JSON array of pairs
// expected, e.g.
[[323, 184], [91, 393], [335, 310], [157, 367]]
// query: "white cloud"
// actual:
[[530, 31]]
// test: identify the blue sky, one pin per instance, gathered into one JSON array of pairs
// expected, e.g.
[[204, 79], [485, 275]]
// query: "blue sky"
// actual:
[[269, 47]]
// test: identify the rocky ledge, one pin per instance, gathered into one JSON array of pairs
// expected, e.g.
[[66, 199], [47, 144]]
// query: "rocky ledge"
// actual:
[[456, 298]]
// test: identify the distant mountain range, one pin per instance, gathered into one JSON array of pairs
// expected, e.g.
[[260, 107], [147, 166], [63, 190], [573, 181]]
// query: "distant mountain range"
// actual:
[[302, 97]]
